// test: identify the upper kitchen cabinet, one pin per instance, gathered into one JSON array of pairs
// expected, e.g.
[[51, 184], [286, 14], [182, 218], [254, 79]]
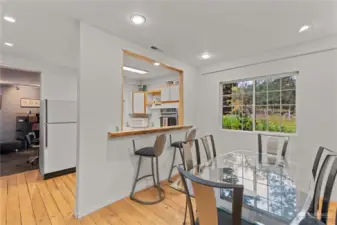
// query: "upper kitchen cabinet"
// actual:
[[165, 94], [170, 93], [174, 93], [138, 103]]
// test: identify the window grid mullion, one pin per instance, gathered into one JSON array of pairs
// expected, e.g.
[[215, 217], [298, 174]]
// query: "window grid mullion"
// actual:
[[281, 104], [241, 110], [267, 117], [254, 105]]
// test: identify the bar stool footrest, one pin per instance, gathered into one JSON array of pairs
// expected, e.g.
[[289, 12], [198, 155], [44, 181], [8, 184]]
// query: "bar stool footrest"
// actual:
[[161, 193], [145, 176]]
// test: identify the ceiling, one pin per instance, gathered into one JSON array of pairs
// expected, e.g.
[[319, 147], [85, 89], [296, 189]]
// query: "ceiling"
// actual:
[[41, 36], [182, 29], [19, 77], [153, 71]]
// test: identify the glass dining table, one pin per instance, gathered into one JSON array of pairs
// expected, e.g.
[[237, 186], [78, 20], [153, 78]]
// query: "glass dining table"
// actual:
[[272, 194]]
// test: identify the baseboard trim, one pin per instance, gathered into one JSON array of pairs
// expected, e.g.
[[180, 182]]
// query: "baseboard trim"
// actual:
[[59, 173]]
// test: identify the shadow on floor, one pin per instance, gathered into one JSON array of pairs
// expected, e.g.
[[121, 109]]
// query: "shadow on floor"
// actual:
[[16, 162]]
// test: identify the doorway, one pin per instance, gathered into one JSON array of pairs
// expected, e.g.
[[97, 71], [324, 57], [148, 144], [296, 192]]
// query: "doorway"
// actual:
[[19, 120]]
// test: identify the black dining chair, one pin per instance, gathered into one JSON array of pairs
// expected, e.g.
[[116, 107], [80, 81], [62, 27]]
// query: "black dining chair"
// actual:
[[275, 144], [209, 146], [207, 212], [324, 175]]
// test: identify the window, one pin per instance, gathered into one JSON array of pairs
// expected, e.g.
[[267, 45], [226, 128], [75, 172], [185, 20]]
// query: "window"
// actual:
[[263, 104]]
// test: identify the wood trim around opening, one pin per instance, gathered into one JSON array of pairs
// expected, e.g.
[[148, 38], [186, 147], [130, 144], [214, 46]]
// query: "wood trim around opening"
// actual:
[[147, 59], [181, 99], [181, 85], [122, 110]]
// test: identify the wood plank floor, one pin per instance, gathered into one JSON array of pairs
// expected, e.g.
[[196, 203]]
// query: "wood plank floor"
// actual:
[[26, 199]]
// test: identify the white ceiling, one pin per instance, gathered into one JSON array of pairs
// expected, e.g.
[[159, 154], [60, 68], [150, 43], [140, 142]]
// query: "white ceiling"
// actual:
[[182, 29], [153, 71], [19, 77], [40, 35]]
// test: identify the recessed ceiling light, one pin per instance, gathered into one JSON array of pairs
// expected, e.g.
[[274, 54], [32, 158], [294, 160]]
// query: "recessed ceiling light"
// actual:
[[138, 19], [9, 44], [205, 55], [9, 19], [156, 64], [304, 28], [134, 70]]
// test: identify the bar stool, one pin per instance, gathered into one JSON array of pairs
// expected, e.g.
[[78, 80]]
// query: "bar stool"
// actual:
[[179, 144], [152, 152]]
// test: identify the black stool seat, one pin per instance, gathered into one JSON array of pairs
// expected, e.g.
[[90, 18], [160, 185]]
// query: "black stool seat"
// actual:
[[177, 144], [147, 152]]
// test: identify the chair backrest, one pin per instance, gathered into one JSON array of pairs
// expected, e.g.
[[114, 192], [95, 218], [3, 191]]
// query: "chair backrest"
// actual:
[[327, 173], [29, 139], [188, 155], [32, 135], [191, 134], [205, 199], [275, 144], [159, 145], [318, 159], [207, 141]]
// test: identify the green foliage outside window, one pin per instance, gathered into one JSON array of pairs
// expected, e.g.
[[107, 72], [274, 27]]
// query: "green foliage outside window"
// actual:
[[275, 105]]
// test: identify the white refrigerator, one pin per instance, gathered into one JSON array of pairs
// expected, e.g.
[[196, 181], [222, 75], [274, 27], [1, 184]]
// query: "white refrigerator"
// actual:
[[60, 135]]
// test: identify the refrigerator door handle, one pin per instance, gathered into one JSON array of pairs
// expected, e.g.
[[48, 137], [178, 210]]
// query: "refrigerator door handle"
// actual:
[[46, 107], [46, 134]]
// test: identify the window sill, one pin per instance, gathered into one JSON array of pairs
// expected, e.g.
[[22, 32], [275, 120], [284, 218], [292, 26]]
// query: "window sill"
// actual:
[[260, 132]]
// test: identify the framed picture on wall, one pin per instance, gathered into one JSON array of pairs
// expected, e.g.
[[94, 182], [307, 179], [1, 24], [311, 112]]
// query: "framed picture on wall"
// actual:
[[29, 103]]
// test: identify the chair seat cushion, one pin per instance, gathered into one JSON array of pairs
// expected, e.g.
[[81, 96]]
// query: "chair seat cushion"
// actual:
[[225, 218], [147, 151], [310, 220], [177, 144]]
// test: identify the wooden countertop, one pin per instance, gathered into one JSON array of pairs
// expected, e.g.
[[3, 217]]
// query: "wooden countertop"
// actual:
[[146, 131]]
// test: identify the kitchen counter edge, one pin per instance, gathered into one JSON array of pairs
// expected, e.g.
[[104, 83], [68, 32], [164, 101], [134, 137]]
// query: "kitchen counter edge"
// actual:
[[147, 131]]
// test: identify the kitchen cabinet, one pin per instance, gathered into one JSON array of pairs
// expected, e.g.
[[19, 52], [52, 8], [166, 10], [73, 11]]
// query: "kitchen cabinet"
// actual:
[[165, 94], [138, 103], [174, 93], [170, 93]]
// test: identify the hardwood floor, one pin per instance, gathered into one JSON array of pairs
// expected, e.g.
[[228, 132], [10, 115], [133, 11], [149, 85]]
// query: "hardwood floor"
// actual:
[[26, 199]]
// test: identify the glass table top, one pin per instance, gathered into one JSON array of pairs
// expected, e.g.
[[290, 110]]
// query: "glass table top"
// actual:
[[271, 194]]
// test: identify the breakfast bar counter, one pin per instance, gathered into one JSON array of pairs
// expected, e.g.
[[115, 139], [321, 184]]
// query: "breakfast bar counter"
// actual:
[[148, 131]]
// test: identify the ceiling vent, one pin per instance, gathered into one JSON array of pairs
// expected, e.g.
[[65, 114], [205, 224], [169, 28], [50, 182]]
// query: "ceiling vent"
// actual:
[[156, 49]]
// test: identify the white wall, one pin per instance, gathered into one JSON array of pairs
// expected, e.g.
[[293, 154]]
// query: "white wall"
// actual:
[[57, 83], [316, 101], [11, 107], [105, 168]]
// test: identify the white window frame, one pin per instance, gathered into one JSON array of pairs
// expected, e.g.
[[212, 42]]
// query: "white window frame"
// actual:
[[281, 75]]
